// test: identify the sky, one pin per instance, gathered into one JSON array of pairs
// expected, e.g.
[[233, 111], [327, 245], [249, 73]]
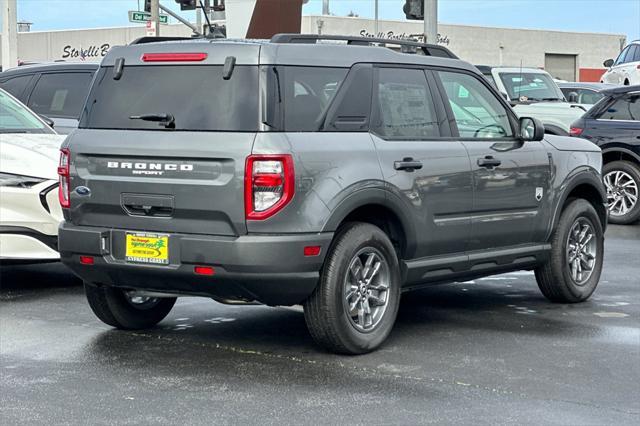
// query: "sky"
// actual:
[[607, 16]]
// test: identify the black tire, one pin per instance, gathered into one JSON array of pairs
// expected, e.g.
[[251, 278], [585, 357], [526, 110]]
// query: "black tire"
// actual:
[[554, 277], [326, 311], [112, 306], [632, 170]]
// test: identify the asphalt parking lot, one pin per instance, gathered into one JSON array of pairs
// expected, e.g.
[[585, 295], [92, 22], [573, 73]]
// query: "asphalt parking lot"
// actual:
[[492, 351]]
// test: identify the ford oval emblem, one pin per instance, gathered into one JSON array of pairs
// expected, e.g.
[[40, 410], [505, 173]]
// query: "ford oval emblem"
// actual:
[[83, 191]]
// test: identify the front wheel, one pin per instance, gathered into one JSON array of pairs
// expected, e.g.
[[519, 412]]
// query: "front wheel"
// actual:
[[354, 307], [126, 310], [577, 251]]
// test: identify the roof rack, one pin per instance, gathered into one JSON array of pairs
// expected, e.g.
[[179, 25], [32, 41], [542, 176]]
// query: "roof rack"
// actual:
[[407, 46], [144, 40]]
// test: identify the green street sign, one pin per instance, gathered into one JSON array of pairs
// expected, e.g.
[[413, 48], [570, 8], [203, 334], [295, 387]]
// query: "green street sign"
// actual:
[[143, 17]]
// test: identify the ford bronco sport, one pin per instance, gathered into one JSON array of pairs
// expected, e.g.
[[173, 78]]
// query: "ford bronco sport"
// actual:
[[333, 174]]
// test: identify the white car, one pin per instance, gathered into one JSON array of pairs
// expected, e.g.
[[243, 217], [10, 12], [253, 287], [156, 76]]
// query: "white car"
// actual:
[[626, 68], [29, 208]]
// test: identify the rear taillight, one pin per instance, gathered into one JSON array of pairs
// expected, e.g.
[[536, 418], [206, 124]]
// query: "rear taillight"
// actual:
[[63, 171], [575, 131], [268, 185]]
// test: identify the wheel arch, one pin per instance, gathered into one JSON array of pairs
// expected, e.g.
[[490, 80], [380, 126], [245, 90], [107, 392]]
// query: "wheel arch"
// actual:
[[585, 185], [381, 208], [619, 154]]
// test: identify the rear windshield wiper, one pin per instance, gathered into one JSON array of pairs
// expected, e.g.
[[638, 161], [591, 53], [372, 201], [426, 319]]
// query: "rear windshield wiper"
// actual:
[[167, 120]]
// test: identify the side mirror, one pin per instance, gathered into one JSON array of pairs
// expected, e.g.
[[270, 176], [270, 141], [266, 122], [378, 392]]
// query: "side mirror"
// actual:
[[573, 97], [531, 129], [608, 63], [47, 120]]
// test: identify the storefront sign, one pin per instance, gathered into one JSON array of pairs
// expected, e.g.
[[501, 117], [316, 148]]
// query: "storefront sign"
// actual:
[[442, 39], [94, 51]]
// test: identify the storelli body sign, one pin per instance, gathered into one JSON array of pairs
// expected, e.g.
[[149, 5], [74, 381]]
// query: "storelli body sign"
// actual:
[[94, 51], [442, 39]]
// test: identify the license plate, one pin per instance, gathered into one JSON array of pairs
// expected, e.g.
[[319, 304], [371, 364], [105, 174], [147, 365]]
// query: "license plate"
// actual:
[[147, 248]]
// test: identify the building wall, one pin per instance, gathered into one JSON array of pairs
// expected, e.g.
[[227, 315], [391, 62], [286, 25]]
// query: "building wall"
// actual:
[[486, 45], [478, 45]]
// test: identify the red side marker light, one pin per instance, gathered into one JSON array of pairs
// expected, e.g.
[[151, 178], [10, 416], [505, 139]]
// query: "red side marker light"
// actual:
[[173, 57], [311, 251], [203, 270], [86, 260]]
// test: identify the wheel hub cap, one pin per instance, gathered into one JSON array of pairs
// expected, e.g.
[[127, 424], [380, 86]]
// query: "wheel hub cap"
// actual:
[[622, 192], [581, 251], [366, 289]]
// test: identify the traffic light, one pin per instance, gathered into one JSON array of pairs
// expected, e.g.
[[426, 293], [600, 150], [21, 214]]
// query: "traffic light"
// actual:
[[187, 4], [147, 6], [414, 9]]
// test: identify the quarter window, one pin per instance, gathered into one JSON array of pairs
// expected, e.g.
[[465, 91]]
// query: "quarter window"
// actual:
[[477, 111], [60, 94], [627, 109], [16, 85], [405, 105]]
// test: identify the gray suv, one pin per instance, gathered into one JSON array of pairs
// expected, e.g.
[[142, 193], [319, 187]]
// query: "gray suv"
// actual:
[[336, 175]]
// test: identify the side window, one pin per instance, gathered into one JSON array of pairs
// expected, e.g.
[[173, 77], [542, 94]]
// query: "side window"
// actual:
[[621, 57], [477, 111], [631, 53], [61, 94], [627, 108], [404, 105], [308, 92], [16, 85], [636, 57]]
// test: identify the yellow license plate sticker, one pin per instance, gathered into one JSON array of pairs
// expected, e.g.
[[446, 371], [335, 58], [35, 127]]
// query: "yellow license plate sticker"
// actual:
[[147, 248]]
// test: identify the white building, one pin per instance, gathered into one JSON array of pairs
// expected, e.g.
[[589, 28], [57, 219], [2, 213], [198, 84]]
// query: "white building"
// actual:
[[566, 55]]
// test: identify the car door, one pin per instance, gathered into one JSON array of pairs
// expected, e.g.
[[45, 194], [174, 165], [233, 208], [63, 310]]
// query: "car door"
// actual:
[[510, 178], [427, 171], [60, 96], [628, 68], [615, 73]]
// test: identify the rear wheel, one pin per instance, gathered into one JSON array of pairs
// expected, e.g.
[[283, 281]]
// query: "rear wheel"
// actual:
[[577, 249], [622, 180], [126, 310], [354, 307]]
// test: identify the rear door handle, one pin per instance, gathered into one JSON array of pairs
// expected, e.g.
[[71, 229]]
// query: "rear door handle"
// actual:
[[407, 164], [489, 162]]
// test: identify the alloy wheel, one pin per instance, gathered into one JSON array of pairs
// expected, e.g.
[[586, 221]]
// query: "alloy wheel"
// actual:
[[622, 192], [366, 289], [581, 250]]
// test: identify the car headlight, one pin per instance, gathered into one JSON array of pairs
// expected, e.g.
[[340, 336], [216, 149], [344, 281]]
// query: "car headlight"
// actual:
[[18, 181]]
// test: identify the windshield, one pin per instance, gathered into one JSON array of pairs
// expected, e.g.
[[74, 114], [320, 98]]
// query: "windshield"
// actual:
[[16, 118], [195, 97], [531, 87]]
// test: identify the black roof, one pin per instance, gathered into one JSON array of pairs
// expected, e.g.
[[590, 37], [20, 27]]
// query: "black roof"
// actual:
[[622, 90], [51, 66]]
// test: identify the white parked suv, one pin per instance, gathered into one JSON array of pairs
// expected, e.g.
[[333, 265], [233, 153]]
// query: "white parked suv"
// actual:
[[626, 68]]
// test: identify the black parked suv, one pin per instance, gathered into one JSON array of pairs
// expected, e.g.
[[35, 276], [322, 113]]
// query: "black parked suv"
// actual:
[[333, 175], [56, 91], [614, 125]]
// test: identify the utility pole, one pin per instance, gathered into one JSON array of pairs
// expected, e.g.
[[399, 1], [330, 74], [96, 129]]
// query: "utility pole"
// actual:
[[325, 7], [431, 21], [9, 34], [155, 18], [376, 19]]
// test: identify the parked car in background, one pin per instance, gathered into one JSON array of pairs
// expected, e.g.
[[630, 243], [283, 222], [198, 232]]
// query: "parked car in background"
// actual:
[[614, 125], [626, 68], [584, 93], [30, 211], [533, 93], [55, 90]]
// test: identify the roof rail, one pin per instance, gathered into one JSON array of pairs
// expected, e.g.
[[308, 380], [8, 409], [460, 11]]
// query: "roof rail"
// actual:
[[144, 40], [407, 46]]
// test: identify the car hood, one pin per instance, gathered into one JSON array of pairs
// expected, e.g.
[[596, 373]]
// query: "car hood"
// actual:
[[566, 143], [553, 108], [27, 154]]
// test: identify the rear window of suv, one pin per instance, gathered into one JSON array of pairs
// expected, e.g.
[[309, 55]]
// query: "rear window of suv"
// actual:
[[195, 95]]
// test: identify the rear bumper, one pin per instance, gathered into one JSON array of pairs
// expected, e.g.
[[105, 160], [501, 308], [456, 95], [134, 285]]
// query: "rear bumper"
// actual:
[[271, 269]]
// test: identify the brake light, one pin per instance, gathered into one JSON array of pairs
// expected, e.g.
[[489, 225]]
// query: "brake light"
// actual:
[[575, 131], [268, 185], [87, 260], [174, 57], [64, 193], [203, 270]]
